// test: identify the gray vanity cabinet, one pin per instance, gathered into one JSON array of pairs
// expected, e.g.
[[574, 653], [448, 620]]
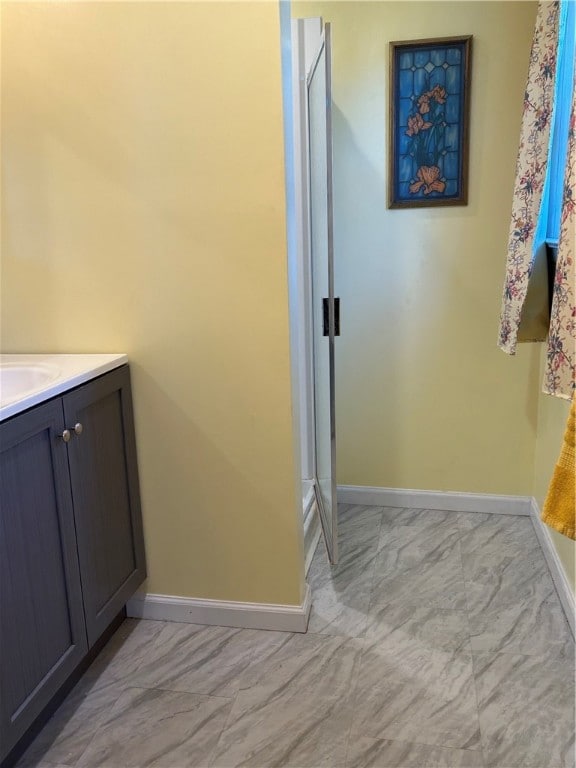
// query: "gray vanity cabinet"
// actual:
[[42, 632], [71, 543], [104, 478]]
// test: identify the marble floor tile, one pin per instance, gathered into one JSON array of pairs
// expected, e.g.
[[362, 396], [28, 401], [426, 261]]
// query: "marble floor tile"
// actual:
[[381, 753], [353, 517], [429, 532], [358, 542], [527, 625], [438, 640], [197, 659], [71, 728], [526, 706], [341, 593], [338, 612], [349, 573], [42, 764], [524, 576], [156, 729], [281, 732], [357, 549], [126, 650], [426, 568], [513, 605], [319, 665], [352, 514], [416, 693], [395, 626], [498, 534], [417, 516], [293, 707], [424, 525]]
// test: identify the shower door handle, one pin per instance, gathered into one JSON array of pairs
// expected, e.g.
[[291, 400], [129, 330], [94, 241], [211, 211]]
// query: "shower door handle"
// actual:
[[326, 316]]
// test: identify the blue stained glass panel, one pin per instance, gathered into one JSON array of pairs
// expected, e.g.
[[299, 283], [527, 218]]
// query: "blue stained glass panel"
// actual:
[[406, 83], [438, 57], [405, 142], [430, 97], [405, 170], [420, 81], [437, 77], [454, 55], [451, 137], [421, 58], [406, 107], [453, 84], [406, 60], [452, 109], [451, 165]]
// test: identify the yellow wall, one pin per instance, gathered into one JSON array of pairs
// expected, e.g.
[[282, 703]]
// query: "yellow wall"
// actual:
[[552, 416], [424, 397], [144, 211]]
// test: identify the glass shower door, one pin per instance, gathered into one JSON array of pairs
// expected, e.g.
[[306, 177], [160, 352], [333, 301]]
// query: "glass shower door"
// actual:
[[323, 305]]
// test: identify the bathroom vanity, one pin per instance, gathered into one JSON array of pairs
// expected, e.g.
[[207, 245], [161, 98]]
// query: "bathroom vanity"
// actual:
[[71, 543]]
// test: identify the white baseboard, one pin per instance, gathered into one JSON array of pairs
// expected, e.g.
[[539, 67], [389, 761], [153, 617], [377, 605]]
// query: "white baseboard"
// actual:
[[451, 501], [557, 572], [189, 610]]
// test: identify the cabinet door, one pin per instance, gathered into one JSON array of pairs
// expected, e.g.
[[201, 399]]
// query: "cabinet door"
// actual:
[[104, 478], [42, 632]]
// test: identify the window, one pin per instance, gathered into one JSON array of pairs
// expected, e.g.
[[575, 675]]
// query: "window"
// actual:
[[551, 207]]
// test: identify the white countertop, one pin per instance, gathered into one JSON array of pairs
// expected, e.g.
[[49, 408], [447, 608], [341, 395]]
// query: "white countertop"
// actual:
[[27, 380]]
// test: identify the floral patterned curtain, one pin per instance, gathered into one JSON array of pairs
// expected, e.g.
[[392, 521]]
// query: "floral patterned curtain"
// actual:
[[560, 375], [527, 201]]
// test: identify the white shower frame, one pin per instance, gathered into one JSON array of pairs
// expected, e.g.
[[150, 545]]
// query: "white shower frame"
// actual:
[[306, 36]]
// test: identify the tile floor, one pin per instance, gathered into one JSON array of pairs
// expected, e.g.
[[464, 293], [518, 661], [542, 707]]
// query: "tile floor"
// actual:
[[438, 641]]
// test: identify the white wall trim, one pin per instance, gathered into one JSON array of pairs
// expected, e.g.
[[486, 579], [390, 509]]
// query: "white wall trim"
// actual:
[[452, 501], [557, 572], [312, 529], [308, 496], [190, 610]]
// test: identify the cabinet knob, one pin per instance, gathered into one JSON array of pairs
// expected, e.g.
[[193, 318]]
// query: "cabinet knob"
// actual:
[[66, 435], [78, 428]]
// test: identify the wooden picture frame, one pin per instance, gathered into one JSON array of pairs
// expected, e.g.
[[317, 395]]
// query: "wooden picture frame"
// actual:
[[429, 106]]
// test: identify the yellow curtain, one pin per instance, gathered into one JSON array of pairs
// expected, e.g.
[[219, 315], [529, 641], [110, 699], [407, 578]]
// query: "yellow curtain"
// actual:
[[560, 505]]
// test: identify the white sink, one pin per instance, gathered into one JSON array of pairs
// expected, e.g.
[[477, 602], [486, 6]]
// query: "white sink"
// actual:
[[18, 380], [27, 380]]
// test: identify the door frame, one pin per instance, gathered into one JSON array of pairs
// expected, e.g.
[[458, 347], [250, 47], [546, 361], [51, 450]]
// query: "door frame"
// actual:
[[306, 40]]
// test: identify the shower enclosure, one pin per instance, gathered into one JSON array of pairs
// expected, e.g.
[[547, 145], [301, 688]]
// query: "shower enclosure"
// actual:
[[318, 309]]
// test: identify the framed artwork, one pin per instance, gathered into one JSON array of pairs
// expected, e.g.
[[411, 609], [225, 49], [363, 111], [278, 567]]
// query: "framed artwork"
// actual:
[[429, 116]]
